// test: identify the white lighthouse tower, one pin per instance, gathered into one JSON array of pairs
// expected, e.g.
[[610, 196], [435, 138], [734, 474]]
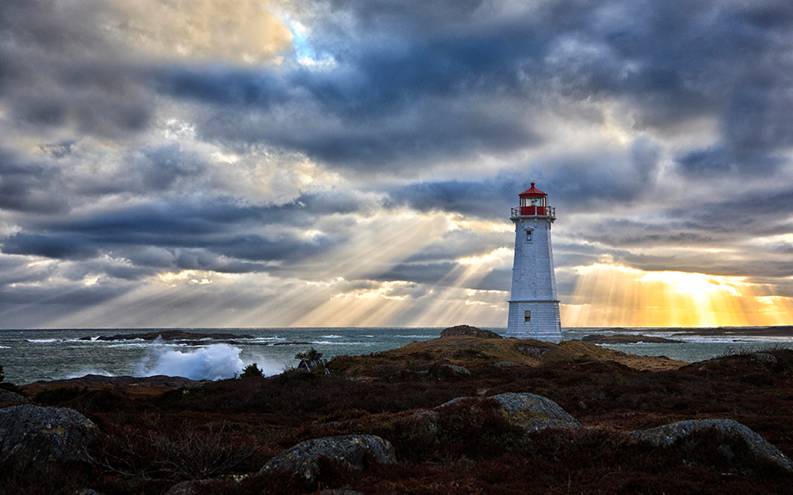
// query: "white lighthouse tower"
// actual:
[[533, 306]]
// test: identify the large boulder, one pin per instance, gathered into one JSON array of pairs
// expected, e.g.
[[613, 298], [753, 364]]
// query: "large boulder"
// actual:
[[530, 412], [33, 436], [351, 451], [687, 431], [469, 331]]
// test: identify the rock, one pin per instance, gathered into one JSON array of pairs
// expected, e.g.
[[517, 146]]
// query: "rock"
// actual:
[[33, 436], [469, 331], [534, 412], [9, 398], [532, 350], [525, 410], [759, 447], [131, 385], [353, 451]]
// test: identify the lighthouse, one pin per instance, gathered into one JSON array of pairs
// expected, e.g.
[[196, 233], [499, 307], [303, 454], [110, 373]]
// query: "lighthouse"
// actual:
[[533, 306]]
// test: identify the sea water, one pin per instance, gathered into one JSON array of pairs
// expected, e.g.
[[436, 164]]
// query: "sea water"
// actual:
[[30, 355]]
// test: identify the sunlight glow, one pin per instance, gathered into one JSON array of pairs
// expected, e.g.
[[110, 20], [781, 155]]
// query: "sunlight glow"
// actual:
[[609, 294]]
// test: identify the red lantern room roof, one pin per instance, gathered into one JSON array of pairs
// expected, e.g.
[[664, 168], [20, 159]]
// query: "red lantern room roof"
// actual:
[[532, 192]]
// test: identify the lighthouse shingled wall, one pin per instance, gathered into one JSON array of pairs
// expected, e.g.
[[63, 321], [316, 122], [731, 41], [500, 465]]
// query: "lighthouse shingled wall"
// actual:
[[533, 282]]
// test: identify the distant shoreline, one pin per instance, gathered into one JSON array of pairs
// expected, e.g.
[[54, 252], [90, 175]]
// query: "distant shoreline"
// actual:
[[773, 331]]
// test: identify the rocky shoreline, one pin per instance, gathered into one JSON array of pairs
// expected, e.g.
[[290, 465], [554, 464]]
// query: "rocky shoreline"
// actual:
[[469, 412], [188, 338]]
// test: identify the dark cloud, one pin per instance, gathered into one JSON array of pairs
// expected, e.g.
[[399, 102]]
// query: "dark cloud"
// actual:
[[394, 97], [27, 186], [576, 183], [207, 234], [412, 94], [60, 70]]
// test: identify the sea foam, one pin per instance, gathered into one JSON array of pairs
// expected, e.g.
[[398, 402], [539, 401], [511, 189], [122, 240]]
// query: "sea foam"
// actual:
[[213, 362]]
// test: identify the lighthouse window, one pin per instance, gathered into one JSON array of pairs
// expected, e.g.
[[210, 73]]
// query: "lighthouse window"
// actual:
[[528, 234], [527, 315]]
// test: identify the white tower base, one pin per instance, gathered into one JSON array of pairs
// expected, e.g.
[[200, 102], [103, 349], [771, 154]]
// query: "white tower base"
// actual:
[[543, 322]]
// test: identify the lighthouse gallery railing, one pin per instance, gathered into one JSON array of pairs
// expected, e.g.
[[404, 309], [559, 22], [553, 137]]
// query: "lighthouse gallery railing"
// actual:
[[533, 211]]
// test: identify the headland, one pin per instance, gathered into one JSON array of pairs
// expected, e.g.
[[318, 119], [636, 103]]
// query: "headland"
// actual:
[[469, 412]]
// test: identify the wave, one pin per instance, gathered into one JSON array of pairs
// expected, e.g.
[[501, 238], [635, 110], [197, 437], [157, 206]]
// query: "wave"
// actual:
[[139, 345], [330, 342], [213, 362], [4, 347], [96, 340], [332, 336], [43, 341], [414, 336], [275, 338]]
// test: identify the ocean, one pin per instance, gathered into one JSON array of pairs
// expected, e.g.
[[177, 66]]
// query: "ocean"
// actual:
[[31, 355]]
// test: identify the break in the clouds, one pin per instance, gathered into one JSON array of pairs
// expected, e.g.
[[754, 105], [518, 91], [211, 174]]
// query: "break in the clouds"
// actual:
[[342, 162]]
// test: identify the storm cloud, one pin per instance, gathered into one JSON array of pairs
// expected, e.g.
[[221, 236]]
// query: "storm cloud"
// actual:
[[323, 150]]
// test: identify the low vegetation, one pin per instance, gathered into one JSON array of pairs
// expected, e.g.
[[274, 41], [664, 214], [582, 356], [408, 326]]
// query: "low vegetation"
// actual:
[[227, 430], [251, 371]]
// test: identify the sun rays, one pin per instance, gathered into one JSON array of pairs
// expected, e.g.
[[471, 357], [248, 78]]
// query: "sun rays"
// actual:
[[347, 287], [609, 294]]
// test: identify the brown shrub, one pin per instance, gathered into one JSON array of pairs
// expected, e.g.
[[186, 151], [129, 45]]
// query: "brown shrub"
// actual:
[[186, 453]]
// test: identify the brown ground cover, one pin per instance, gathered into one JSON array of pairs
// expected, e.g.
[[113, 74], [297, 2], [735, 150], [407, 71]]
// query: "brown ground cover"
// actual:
[[158, 437]]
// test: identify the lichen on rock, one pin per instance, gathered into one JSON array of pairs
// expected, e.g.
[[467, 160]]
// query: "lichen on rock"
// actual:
[[32, 436], [530, 412], [683, 431], [351, 451]]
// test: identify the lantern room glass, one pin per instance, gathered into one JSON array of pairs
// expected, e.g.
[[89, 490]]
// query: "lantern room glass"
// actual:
[[527, 201]]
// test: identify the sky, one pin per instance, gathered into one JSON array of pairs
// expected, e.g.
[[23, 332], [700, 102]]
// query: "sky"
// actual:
[[352, 162]]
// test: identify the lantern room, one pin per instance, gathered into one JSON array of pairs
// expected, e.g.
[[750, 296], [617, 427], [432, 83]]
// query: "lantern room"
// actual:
[[534, 202]]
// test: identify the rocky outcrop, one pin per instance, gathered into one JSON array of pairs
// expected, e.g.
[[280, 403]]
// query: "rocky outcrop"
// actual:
[[469, 331], [686, 431], [129, 385], [530, 412], [352, 451], [33, 436], [507, 417], [532, 351]]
